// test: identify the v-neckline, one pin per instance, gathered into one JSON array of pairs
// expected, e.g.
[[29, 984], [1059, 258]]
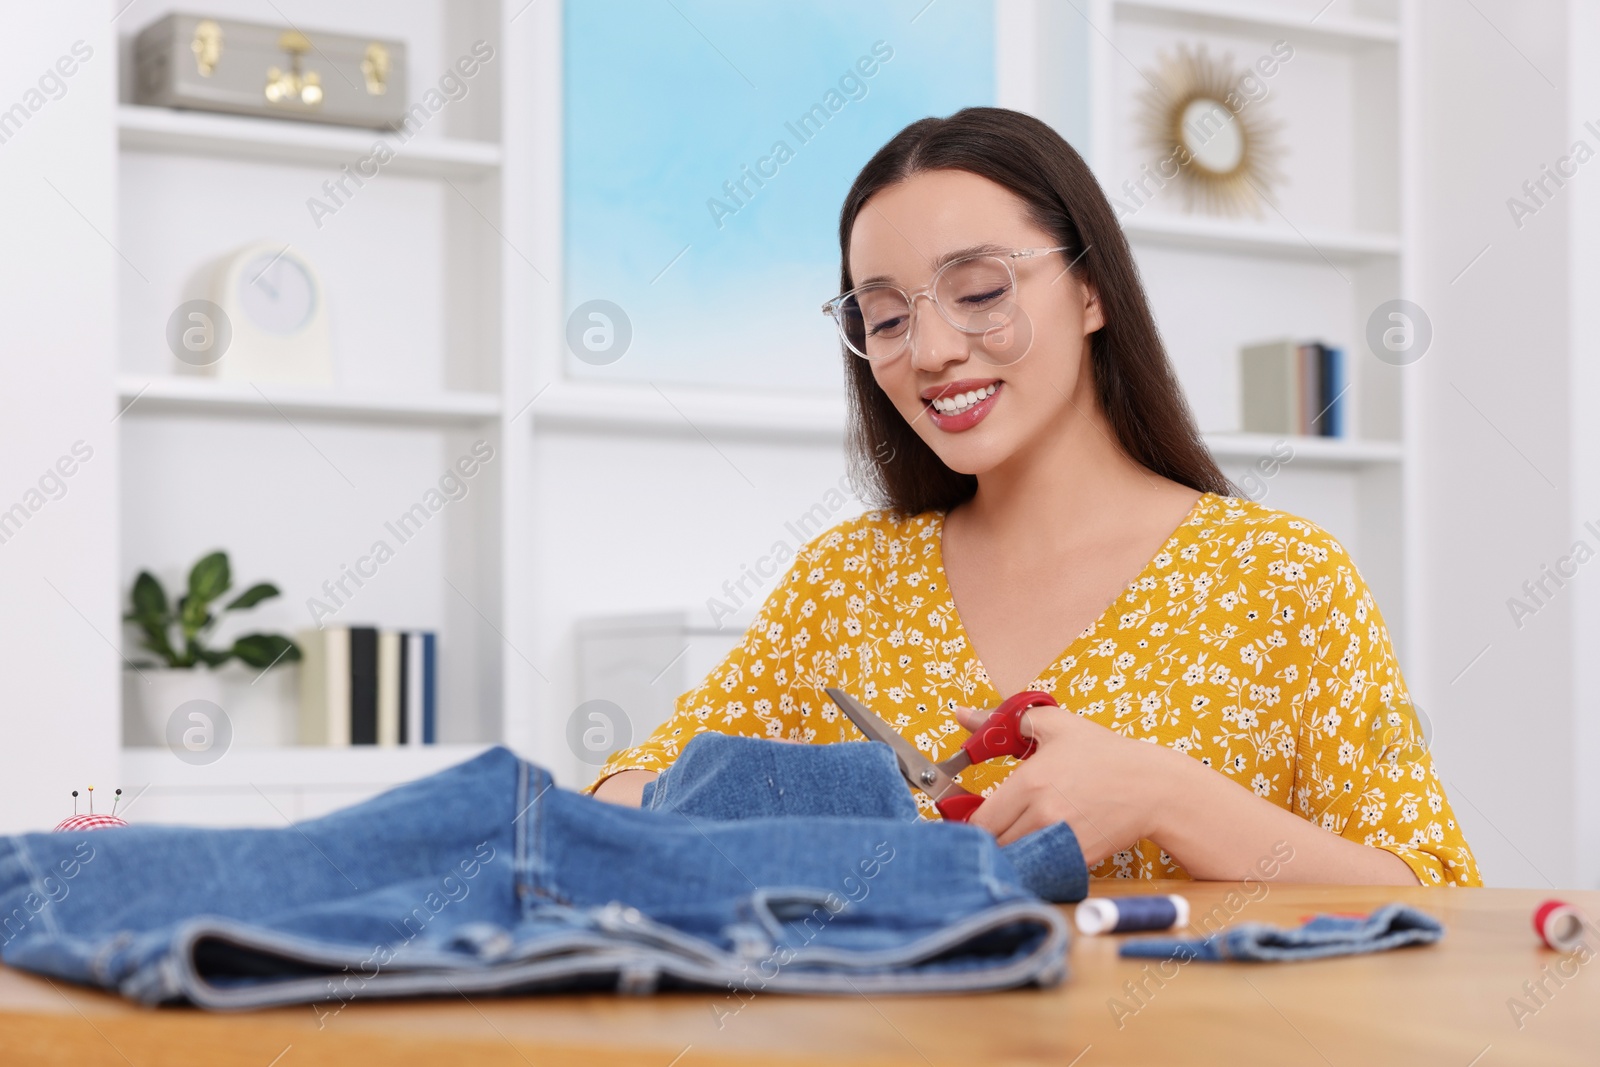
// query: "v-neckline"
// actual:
[[1167, 547]]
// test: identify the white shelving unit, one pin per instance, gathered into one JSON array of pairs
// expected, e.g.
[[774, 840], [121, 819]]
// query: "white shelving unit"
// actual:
[[295, 481], [265, 786], [174, 395], [1314, 21], [1225, 236], [1315, 263], [447, 275], [197, 133]]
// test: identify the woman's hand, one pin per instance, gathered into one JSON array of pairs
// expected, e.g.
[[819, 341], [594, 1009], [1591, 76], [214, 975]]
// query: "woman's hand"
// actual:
[[1106, 787]]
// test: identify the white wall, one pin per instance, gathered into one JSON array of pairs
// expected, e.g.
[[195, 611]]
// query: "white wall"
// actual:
[[58, 282], [1583, 44], [1496, 478]]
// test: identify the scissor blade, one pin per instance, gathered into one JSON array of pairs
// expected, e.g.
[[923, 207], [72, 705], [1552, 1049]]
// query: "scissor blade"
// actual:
[[918, 769]]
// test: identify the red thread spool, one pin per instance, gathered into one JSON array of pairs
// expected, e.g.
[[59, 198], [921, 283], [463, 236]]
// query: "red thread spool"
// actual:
[[1560, 925]]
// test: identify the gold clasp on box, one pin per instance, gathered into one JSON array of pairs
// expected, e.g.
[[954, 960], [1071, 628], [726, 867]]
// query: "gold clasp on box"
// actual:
[[375, 67], [293, 87], [206, 46]]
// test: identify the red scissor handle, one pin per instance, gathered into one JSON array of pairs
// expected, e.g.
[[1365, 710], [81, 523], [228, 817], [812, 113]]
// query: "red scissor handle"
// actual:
[[1001, 734], [958, 807]]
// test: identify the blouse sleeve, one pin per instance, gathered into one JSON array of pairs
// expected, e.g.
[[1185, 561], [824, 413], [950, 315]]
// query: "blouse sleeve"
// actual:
[[753, 691], [1363, 768]]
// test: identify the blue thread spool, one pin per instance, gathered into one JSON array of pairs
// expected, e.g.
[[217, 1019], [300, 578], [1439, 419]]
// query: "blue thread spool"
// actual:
[[1121, 915]]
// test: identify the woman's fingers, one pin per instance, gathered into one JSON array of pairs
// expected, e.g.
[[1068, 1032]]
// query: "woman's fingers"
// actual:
[[970, 718], [1036, 722]]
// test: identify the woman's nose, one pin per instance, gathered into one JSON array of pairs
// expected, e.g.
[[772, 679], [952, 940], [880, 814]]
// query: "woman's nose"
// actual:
[[934, 342]]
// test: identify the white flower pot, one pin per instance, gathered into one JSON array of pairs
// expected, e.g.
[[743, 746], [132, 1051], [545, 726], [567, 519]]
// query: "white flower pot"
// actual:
[[157, 692]]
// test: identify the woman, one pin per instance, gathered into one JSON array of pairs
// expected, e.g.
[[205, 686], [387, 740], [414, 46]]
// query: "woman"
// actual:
[[1227, 690]]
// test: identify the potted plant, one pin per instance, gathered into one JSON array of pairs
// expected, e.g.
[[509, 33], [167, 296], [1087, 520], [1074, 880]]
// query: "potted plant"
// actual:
[[177, 632]]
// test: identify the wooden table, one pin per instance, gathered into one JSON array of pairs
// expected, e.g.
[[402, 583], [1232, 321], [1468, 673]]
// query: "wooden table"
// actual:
[[1443, 1004]]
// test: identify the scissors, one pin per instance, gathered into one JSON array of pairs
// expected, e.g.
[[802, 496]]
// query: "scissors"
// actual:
[[1000, 735]]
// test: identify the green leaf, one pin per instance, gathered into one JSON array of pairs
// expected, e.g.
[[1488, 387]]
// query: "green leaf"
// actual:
[[192, 653], [209, 579], [212, 659], [155, 640], [149, 599], [194, 617], [253, 596], [263, 650]]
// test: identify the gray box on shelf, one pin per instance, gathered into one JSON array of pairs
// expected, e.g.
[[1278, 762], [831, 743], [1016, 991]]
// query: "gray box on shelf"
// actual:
[[251, 68], [644, 662]]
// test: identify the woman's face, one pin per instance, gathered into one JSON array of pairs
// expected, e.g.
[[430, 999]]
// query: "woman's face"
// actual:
[[1038, 364]]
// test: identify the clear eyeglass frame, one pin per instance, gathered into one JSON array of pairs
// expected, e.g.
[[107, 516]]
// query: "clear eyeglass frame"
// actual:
[[1008, 257]]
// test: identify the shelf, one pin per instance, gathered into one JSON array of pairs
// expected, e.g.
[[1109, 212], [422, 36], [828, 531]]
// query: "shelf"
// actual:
[[154, 396], [1260, 17], [611, 407], [687, 409], [156, 129], [1319, 451], [1241, 238], [366, 765]]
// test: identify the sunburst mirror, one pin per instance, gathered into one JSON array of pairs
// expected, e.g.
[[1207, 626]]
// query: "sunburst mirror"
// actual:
[[1224, 149]]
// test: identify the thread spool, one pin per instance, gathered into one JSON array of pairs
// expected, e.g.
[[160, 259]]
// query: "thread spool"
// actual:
[[1560, 925], [1120, 915]]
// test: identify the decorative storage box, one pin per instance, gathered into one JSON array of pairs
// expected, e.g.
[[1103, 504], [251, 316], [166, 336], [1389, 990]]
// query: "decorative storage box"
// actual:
[[250, 68]]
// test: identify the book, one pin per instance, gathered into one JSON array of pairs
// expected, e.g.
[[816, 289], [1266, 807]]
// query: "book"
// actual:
[[388, 702], [1307, 380], [405, 684], [363, 685], [367, 686], [412, 718], [1270, 380], [1292, 388], [324, 686], [1333, 391], [430, 686]]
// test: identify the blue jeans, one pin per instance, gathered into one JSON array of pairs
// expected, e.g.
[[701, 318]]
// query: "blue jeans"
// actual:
[[484, 878], [719, 776]]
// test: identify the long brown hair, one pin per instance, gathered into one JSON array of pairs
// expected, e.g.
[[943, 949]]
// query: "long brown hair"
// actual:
[[1134, 383]]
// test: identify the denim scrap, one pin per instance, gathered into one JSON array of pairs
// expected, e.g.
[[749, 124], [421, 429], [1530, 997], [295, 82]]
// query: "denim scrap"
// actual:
[[1391, 926], [727, 777], [485, 878]]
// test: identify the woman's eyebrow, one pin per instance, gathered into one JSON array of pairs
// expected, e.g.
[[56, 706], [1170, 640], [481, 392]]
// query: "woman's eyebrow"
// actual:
[[939, 261]]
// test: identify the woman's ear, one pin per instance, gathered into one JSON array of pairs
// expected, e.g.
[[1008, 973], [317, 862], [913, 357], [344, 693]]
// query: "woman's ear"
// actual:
[[1094, 315]]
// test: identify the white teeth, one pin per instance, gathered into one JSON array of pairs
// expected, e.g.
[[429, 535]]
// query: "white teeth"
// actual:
[[955, 405]]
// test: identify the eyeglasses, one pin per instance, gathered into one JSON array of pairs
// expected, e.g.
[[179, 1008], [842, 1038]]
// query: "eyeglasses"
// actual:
[[976, 294]]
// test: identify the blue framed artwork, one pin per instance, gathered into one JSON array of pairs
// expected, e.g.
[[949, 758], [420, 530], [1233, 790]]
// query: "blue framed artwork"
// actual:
[[708, 147]]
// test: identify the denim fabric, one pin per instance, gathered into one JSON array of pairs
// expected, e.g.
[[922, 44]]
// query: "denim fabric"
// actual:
[[720, 776], [484, 878], [1391, 926]]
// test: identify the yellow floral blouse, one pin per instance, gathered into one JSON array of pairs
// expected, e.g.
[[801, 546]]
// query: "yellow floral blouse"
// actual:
[[1249, 642]]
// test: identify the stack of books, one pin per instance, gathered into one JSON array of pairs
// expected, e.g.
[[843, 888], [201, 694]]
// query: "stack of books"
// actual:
[[1292, 387], [360, 685]]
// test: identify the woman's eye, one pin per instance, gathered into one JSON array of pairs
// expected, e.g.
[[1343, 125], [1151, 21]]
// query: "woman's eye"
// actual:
[[888, 326], [979, 299]]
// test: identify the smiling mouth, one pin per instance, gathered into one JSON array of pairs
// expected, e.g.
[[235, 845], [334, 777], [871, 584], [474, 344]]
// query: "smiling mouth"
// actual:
[[955, 405]]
